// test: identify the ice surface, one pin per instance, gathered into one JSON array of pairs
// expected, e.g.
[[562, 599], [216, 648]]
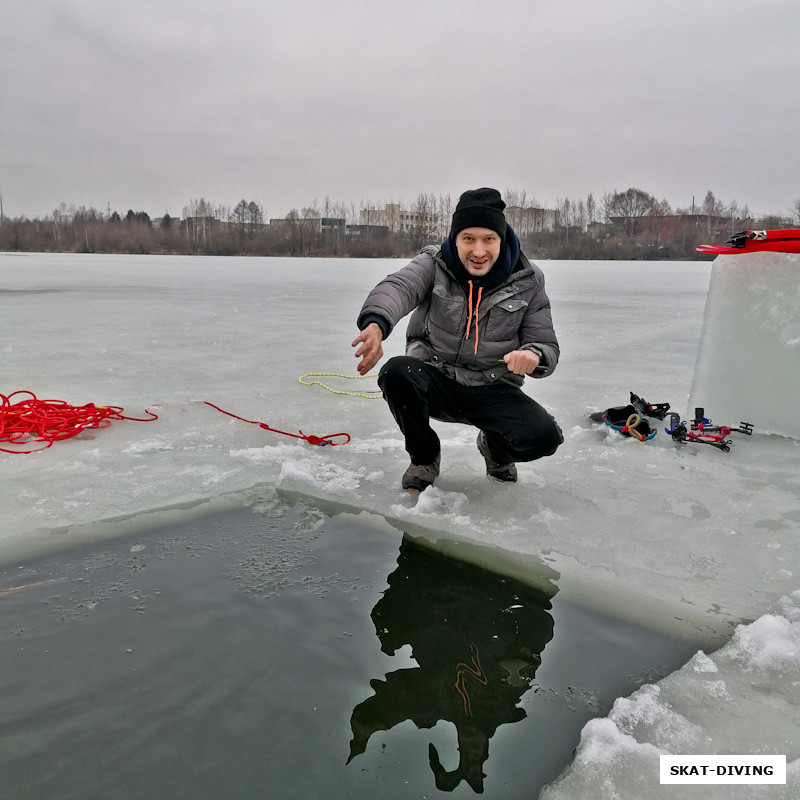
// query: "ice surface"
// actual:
[[684, 536], [748, 365]]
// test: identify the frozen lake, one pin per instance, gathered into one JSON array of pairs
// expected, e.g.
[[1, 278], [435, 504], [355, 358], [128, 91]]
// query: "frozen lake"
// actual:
[[682, 538]]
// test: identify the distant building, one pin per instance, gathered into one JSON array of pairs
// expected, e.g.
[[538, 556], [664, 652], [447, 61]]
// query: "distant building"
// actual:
[[597, 230], [396, 219], [304, 235], [165, 221], [365, 232], [334, 226], [531, 220]]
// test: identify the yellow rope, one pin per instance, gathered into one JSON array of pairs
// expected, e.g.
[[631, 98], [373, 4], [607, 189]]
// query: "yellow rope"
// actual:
[[372, 394]]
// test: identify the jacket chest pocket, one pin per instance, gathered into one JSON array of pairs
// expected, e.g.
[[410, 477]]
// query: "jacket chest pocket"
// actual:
[[505, 318], [445, 309]]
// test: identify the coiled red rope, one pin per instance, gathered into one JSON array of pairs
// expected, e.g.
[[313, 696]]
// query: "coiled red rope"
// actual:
[[310, 438], [34, 421]]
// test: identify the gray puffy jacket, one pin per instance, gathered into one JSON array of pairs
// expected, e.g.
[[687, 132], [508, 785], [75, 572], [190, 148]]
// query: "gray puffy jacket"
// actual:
[[512, 316]]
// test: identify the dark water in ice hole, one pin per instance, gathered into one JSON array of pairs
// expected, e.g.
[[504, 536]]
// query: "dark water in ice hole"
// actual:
[[277, 653]]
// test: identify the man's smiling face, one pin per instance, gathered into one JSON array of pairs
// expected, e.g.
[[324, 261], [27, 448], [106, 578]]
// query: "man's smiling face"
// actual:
[[478, 249]]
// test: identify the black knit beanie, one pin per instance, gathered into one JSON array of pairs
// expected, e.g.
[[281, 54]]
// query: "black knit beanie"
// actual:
[[479, 208]]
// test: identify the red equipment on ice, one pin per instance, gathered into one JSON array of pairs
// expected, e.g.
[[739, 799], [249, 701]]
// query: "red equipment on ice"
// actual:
[[780, 241]]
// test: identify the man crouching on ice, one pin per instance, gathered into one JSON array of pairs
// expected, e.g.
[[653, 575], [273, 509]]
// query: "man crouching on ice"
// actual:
[[481, 322]]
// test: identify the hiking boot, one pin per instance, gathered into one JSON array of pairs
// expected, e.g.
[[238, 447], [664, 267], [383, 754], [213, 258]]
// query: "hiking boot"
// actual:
[[419, 477], [501, 472]]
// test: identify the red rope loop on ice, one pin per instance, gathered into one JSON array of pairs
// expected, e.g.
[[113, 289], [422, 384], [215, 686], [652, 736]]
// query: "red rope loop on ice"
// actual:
[[29, 421], [310, 438]]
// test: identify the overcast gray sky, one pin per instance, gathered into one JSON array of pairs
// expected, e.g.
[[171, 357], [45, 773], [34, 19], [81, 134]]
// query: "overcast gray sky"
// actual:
[[149, 104]]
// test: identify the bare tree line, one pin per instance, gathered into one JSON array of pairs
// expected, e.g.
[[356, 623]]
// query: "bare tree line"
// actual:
[[620, 224]]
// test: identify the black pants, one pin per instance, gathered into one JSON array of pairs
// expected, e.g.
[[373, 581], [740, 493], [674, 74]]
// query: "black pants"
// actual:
[[517, 428]]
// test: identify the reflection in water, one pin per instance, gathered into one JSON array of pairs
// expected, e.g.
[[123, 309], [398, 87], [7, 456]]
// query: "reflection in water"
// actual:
[[477, 638]]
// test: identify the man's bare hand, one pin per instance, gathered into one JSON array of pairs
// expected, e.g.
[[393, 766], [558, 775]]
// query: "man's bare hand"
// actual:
[[521, 362], [371, 350]]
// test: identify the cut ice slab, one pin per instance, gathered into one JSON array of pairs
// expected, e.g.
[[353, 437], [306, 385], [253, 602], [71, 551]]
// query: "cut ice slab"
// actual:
[[748, 362]]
